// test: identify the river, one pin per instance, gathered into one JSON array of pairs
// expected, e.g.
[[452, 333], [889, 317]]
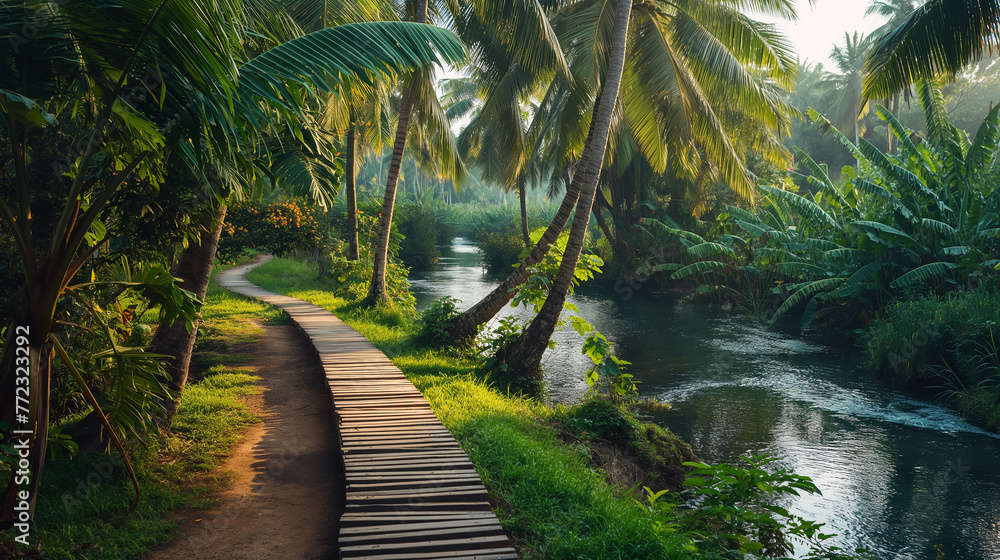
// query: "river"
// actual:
[[900, 475]]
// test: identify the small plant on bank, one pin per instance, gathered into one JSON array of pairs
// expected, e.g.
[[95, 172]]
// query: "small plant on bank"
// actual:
[[494, 345], [618, 384], [435, 321], [730, 511], [600, 418]]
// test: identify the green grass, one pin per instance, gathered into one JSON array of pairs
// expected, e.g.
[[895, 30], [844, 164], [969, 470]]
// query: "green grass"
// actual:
[[946, 344], [81, 501], [551, 502]]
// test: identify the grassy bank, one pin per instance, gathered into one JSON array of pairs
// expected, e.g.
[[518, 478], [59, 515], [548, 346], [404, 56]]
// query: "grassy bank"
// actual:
[[82, 500], [547, 493], [949, 345]]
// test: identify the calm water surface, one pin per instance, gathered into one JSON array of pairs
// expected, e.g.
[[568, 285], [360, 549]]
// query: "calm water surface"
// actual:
[[899, 475]]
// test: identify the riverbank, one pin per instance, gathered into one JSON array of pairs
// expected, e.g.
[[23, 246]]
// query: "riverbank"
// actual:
[[543, 483]]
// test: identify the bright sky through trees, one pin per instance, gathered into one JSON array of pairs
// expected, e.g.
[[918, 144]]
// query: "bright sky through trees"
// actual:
[[821, 26]]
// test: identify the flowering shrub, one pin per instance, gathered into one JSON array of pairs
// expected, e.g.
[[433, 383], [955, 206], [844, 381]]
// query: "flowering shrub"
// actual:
[[279, 228]]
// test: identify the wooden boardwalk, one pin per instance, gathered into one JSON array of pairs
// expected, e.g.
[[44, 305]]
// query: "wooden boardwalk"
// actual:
[[412, 492]]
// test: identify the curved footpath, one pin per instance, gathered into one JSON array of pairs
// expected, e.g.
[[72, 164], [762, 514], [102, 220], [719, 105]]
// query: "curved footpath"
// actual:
[[411, 491]]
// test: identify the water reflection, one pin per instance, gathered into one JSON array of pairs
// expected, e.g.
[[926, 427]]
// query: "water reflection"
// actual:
[[899, 475]]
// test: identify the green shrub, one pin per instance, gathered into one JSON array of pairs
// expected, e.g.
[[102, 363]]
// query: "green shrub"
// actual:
[[729, 511], [418, 249], [501, 375], [436, 321], [601, 418], [279, 227], [499, 250], [946, 343]]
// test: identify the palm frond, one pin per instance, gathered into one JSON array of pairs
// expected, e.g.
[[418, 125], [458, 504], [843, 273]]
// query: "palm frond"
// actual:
[[940, 38], [330, 58]]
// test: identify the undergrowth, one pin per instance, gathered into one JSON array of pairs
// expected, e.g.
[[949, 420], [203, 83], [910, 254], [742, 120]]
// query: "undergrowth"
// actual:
[[82, 500]]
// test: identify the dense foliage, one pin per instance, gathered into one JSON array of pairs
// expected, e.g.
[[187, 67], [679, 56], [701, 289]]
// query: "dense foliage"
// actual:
[[947, 343], [280, 227], [924, 218]]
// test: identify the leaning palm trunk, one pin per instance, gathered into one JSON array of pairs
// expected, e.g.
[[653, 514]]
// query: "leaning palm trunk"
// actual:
[[466, 325], [524, 355], [377, 291], [194, 267]]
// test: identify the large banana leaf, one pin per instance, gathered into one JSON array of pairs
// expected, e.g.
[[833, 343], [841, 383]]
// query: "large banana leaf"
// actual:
[[874, 189], [803, 205], [922, 274], [882, 228], [984, 147], [939, 228], [805, 291], [701, 268], [703, 250]]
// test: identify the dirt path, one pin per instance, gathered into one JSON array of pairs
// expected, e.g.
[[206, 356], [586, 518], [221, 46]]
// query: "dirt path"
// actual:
[[288, 492]]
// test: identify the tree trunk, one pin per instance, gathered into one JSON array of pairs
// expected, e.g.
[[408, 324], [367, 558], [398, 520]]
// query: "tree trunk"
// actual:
[[524, 212], [466, 325], [194, 267], [352, 194], [524, 355], [377, 291], [599, 204], [34, 431]]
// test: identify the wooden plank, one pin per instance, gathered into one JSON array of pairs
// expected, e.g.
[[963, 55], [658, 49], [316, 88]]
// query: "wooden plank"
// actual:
[[356, 519], [475, 505], [483, 554], [463, 521], [462, 544], [410, 534]]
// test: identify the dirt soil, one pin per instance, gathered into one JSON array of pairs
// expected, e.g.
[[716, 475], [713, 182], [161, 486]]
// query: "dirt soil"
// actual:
[[287, 490]]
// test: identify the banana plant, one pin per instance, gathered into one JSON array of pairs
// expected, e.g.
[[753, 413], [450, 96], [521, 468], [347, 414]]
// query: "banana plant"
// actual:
[[925, 217]]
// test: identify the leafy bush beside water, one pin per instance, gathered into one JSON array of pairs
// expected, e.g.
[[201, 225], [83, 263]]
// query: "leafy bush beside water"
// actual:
[[949, 344], [419, 227]]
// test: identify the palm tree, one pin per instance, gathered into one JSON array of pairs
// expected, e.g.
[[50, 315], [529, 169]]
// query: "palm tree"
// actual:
[[350, 111], [939, 38], [685, 65], [302, 167], [524, 354], [844, 103], [895, 12], [48, 73], [124, 137], [377, 291], [518, 27]]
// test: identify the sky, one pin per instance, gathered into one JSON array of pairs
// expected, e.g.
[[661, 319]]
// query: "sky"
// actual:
[[821, 26]]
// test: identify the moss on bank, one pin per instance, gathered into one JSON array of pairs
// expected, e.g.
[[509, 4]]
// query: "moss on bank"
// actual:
[[552, 496]]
